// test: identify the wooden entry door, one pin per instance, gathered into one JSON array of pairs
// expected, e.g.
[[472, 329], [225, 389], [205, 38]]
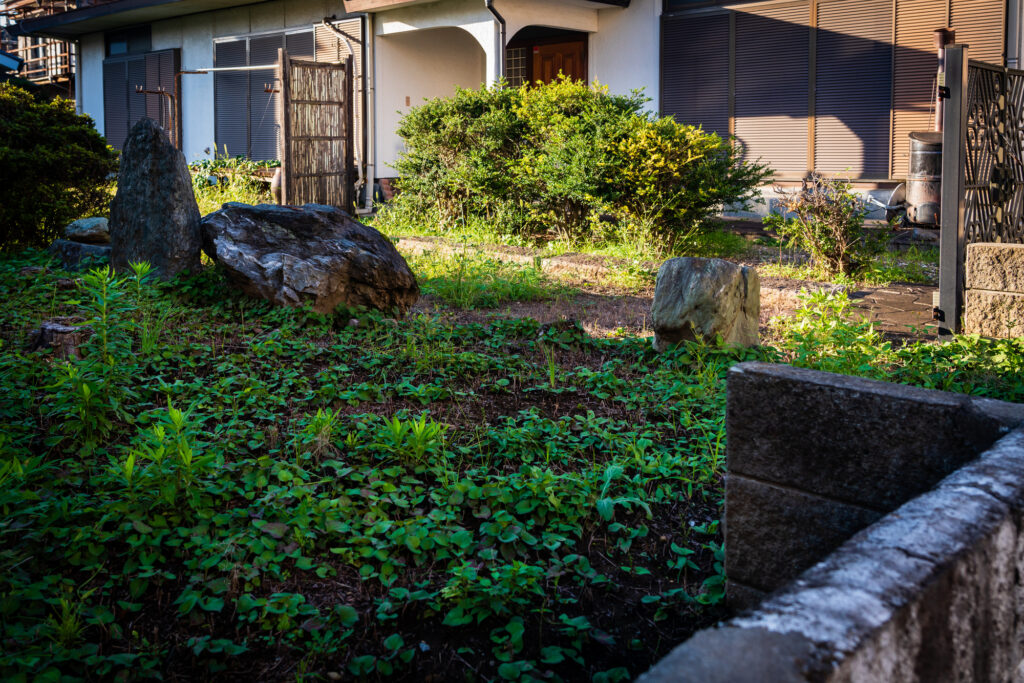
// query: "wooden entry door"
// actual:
[[567, 58]]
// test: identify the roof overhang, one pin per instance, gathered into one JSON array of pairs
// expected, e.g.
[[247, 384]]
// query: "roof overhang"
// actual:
[[380, 5], [118, 14]]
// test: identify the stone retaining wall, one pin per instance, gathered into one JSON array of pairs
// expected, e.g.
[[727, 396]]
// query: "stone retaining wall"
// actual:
[[931, 585], [994, 304]]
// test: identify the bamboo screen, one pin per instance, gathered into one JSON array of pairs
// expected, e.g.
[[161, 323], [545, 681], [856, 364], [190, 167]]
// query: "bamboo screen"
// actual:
[[318, 159]]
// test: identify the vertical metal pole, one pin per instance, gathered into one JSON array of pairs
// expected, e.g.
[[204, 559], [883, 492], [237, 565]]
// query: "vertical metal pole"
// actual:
[[954, 154], [284, 76]]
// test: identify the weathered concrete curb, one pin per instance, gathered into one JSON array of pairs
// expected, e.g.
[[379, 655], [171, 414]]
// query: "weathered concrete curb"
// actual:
[[931, 592]]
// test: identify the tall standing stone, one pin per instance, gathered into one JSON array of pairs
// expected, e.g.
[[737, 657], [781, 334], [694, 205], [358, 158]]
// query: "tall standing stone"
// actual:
[[705, 298], [154, 216]]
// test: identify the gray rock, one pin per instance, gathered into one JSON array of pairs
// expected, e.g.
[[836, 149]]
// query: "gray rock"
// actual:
[[76, 255], [154, 216], [88, 231], [318, 254], [703, 298]]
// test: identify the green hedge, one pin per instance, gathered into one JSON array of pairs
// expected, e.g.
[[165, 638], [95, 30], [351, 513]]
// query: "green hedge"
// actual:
[[569, 159], [54, 168]]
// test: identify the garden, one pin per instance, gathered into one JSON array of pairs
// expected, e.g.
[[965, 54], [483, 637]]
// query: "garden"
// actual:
[[213, 487]]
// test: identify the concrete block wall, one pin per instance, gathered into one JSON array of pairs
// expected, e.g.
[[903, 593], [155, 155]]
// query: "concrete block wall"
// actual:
[[931, 587], [994, 304], [814, 457]]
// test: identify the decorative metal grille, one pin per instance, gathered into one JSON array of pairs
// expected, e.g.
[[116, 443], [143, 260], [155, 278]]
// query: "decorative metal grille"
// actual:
[[994, 165]]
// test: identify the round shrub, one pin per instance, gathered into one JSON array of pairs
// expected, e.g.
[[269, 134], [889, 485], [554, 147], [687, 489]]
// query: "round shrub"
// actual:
[[54, 168], [570, 160]]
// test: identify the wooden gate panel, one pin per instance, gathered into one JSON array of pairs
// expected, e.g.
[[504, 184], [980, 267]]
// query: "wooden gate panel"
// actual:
[[317, 155]]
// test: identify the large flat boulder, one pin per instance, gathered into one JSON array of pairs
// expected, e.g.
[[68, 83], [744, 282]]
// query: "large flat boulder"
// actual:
[[318, 254], [699, 298], [154, 216]]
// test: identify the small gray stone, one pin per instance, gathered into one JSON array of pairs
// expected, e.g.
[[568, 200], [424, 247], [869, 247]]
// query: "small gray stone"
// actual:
[[154, 216], [705, 298], [318, 254], [76, 255], [89, 231]]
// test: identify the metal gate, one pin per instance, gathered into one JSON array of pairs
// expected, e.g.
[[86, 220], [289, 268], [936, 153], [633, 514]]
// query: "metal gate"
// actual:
[[982, 170], [316, 132]]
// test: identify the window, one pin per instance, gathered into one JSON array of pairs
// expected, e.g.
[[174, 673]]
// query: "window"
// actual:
[[246, 115], [130, 42]]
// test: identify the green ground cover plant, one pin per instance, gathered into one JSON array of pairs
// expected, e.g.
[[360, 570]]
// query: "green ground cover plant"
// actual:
[[565, 160], [470, 280], [221, 489], [54, 168], [270, 493]]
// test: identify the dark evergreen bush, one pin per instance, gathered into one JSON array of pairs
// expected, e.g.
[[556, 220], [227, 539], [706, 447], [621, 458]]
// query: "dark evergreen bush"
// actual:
[[54, 168]]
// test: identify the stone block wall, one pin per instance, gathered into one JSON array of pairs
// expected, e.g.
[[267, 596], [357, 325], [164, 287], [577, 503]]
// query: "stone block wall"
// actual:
[[994, 302], [814, 457], [931, 591]]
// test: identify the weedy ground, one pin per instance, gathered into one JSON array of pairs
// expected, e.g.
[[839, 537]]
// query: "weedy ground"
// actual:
[[219, 489]]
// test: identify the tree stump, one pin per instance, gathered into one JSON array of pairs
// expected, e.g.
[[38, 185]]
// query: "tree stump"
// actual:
[[64, 335]]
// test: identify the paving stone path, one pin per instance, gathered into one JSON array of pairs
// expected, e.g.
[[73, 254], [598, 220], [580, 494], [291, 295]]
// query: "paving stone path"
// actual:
[[902, 310]]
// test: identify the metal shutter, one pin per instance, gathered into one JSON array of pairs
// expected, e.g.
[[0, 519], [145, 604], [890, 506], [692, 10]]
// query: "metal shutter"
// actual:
[[136, 100], [300, 45], [772, 67], [914, 67], [231, 99], [695, 70], [853, 87], [263, 123], [160, 69], [115, 103], [981, 25]]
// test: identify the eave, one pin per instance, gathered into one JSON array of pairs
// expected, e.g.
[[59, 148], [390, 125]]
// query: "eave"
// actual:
[[118, 14], [380, 5]]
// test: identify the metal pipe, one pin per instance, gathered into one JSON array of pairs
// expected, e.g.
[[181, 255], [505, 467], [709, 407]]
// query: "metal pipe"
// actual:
[[942, 37], [502, 37], [369, 112]]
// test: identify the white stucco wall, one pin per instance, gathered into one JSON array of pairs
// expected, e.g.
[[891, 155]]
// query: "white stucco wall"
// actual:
[[413, 66], [625, 52], [93, 49]]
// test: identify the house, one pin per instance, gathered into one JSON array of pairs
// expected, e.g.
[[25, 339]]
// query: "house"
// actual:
[[826, 85]]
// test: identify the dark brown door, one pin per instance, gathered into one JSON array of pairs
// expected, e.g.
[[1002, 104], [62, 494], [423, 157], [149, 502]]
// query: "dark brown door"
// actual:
[[566, 58]]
